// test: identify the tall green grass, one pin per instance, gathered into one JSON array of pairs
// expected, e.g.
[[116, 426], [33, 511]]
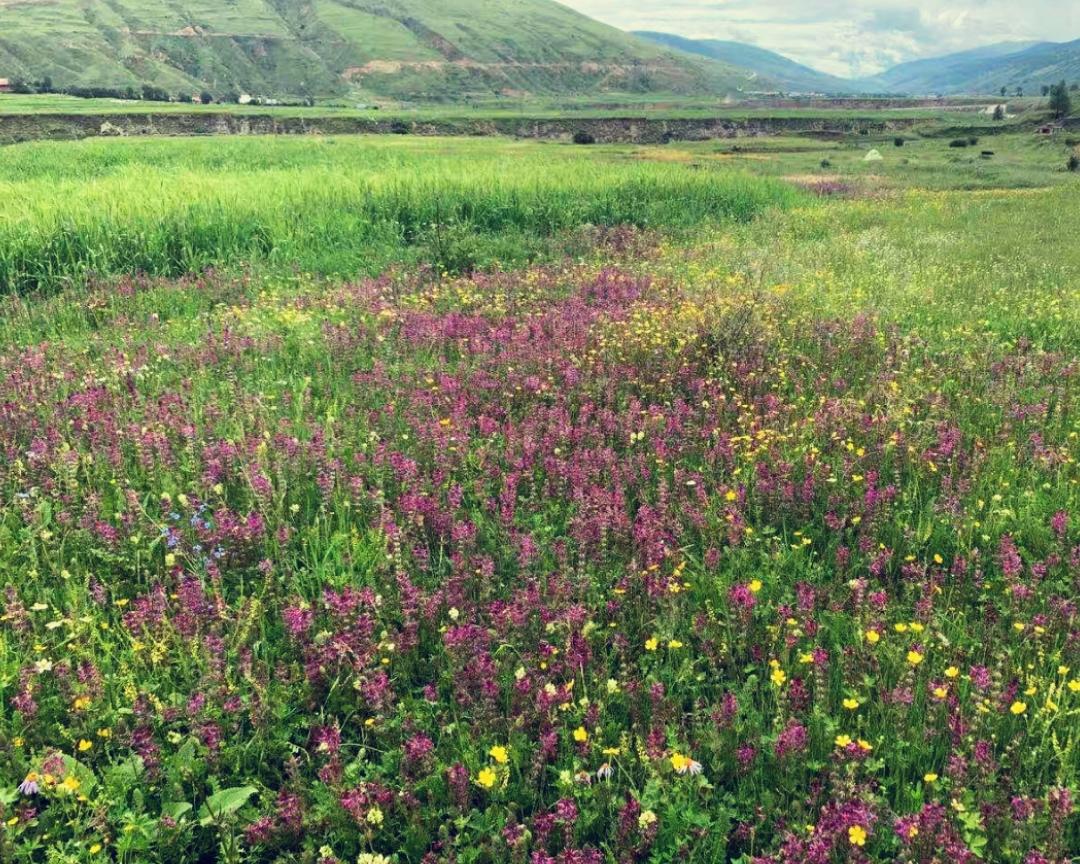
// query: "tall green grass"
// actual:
[[338, 207]]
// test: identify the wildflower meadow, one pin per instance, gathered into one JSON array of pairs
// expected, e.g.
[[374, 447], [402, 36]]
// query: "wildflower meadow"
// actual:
[[760, 545]]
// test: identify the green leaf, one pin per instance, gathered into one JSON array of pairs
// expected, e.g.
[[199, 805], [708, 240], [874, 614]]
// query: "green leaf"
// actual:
[[73, 767], [176, 810], [126, 773], [224, 803], [186, 754]]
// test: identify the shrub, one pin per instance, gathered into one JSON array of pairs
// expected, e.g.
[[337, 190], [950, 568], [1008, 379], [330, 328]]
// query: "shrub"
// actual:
[[399, 127], [1074, 163], [825, 163], [959, 142], [899, 142], [584, 138]]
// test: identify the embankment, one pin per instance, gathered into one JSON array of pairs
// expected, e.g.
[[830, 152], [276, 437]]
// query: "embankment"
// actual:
[[635, 130]]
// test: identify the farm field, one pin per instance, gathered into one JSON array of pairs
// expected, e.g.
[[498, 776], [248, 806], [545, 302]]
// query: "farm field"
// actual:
[[446, 500], [970, 112]]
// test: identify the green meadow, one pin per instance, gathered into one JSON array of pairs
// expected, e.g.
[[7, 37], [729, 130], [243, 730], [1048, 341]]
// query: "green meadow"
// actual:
[[338, 206], [403, 500]]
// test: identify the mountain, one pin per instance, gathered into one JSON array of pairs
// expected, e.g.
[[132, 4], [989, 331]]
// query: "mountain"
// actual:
[[987, 70], [1030, 69], [419, 50], [777, 69], [982, 71]]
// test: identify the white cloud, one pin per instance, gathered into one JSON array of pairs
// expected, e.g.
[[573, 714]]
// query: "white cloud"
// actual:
[[848, 37]]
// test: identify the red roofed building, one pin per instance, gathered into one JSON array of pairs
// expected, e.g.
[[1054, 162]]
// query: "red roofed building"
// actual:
[[5, 85]]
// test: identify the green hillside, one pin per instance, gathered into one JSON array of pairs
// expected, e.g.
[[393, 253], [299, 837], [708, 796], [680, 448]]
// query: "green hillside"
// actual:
[[1028, 70], [982, 70], [420, 50]]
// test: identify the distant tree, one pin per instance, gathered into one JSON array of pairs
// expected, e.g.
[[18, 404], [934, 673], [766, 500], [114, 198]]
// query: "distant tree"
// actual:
[[999, 112], [184, 97], [1060, 101], [1074, 163], [154, 94], [46, 85], [207, 97], [1020, 92], [1045, 90], [95, 92], [1004, 92], [1074, 87]]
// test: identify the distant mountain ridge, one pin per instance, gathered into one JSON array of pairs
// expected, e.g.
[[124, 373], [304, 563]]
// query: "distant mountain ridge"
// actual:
[[418, 50], [1025, 66], [431, 51], [776, 69]]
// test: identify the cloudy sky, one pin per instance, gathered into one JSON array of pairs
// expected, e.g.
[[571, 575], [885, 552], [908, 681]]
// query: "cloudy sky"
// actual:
[[848, 37]]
